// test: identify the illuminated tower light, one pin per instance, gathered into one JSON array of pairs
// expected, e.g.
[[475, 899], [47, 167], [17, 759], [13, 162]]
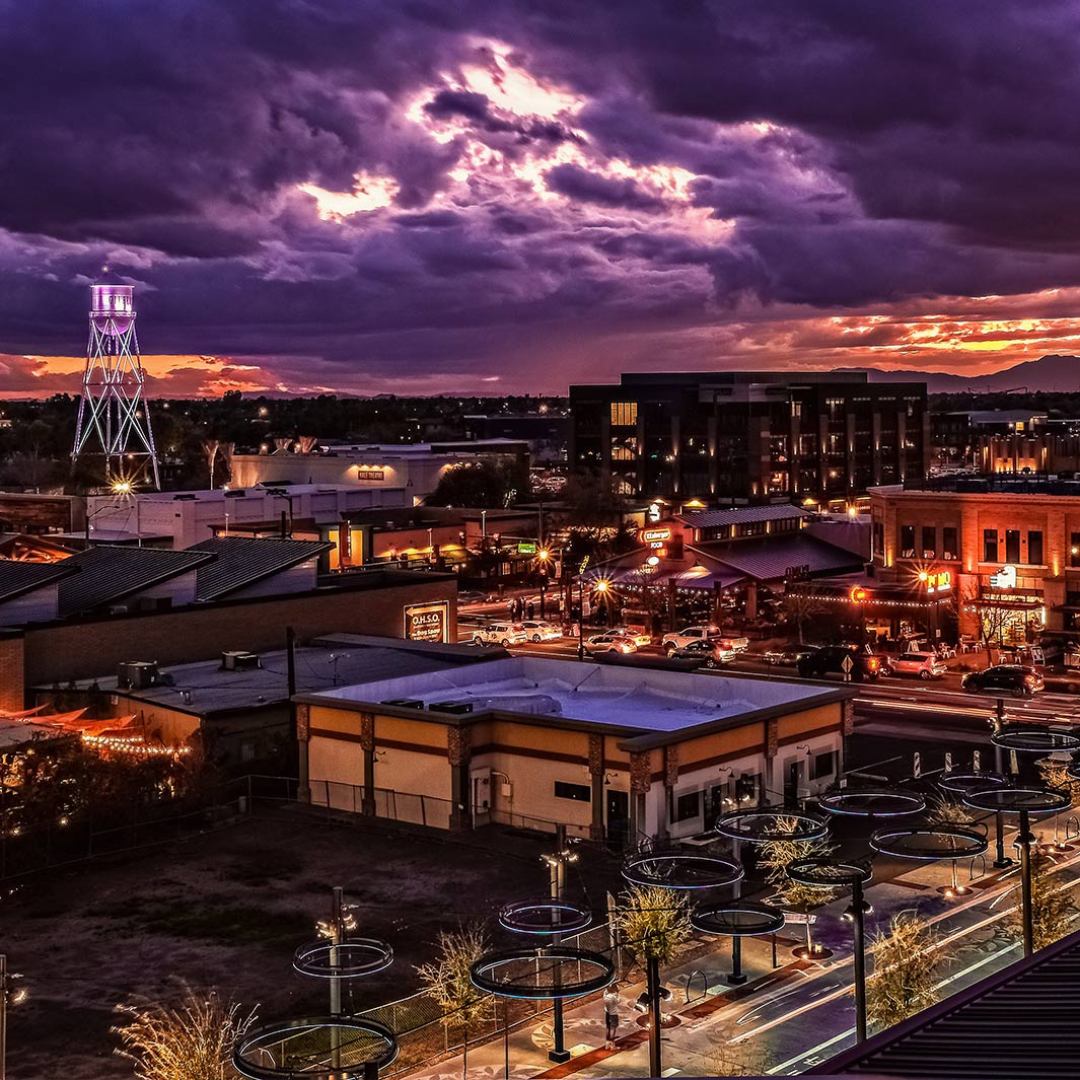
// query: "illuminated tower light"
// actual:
[[112, 410]]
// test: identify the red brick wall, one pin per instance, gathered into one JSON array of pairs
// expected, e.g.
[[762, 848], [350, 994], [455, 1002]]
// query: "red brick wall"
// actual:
[[55, 654]]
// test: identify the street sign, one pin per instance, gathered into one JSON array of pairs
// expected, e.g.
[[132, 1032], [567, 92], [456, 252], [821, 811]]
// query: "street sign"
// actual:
[[584, 563], [526, 547], [847, 665], [799, 917], [916, 767]]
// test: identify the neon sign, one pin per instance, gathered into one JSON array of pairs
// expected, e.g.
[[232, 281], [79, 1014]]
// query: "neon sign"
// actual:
[[939, 581], [1005, 578]]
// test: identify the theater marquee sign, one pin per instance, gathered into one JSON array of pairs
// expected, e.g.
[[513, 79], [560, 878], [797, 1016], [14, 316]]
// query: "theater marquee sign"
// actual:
[[428, 622]]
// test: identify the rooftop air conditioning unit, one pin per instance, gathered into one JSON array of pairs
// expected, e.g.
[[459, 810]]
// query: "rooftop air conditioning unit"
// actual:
[[460, 707], [136, 674], [239, 660], [404, 703]]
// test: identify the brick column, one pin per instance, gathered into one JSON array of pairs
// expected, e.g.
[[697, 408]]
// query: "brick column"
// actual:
[[596, 771], [459, 753], [640, 782], [772, 748], [303, 740], [367, 745]]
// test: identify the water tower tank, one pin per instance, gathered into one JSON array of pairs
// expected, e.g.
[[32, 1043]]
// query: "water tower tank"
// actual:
[[115, 303]]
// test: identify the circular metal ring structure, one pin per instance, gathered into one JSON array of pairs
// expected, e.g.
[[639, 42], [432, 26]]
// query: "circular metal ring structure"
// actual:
[[542, 975], [930, 843], [291, 1049], [681, 870], [761, 825], [352, 958], [822, 873], [960, 783], [738, 918], [1011, 800], [1030, 739], [544, 917], [1073, 770], [872, 802]]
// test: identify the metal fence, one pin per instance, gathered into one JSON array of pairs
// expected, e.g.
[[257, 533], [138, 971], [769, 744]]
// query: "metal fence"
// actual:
[[425, 1032], [403, 806]]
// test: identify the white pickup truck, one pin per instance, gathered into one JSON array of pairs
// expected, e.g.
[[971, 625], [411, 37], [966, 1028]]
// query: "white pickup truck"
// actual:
[[679, 639]]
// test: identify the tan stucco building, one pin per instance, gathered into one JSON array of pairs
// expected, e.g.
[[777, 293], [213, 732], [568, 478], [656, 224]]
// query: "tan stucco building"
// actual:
[[609, 751]]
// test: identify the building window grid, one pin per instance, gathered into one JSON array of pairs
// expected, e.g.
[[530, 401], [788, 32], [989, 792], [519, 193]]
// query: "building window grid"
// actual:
[[907, 541], [990, 546], [950, 549], [929, 542], [1035, 547], [1012, 546]]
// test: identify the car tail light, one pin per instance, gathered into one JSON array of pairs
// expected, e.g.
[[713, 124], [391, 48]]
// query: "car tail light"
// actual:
[[873, 665]]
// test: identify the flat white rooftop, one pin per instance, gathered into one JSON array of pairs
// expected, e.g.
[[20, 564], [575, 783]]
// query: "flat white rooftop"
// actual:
[[622, 697]]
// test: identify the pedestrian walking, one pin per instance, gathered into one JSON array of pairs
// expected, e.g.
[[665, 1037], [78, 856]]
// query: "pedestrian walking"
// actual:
[[532, 611], [611, 1014]]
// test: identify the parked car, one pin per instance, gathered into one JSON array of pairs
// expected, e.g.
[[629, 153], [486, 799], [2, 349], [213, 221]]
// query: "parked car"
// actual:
[[788, 657], [503, 634], [1003, 679], [678, 638], [638, 633], [711, 652], [923, 664], [610, 641], [540, 630], [829, 660]]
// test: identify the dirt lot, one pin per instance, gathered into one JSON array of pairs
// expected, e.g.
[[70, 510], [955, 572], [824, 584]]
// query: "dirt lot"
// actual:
[[227, 909]]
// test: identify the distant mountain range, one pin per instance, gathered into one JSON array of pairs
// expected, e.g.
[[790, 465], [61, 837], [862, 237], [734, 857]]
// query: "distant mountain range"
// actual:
[[1048, 375]]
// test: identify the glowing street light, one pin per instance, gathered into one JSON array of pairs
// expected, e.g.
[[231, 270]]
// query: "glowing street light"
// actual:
[[122, 487]]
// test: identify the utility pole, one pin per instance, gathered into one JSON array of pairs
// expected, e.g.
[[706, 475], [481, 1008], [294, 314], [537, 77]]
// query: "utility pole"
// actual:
[[303, 791], [557, 867]]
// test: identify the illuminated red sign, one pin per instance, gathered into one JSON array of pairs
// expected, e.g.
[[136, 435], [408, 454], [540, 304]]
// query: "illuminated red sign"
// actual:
[[655, 537], [858, 594]]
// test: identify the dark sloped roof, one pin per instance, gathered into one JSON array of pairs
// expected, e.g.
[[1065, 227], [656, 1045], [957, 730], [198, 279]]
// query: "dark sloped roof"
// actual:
[[243, 560], [1019, 1024], [737, 515], [112, 573], [17, 578], [767, 560]]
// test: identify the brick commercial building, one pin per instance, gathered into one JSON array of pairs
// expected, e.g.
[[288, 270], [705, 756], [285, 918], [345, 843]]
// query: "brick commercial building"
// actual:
[[609, 751], [751, 436], [1007, 549]]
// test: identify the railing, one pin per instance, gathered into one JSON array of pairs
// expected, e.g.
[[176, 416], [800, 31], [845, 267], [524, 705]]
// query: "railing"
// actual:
[[407, 807]]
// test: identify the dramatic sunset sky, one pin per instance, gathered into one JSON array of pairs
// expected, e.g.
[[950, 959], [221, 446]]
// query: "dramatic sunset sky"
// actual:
[[495, 196]]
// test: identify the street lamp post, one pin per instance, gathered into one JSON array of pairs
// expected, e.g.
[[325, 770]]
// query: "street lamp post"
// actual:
[[544, 556], [580, 619]]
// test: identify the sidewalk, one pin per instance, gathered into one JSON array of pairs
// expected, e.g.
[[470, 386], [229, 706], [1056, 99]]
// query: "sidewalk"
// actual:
[[701, 994]]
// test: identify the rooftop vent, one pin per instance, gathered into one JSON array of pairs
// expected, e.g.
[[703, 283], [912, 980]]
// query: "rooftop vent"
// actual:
[[404, 703], [460, 707], [239, 661], [136, 674]]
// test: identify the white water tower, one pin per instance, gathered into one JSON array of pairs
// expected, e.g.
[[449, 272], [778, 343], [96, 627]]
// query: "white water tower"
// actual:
[[112, 410]]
